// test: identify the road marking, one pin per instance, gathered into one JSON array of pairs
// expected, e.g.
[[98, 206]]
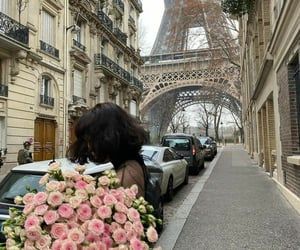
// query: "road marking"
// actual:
[[170, 234]]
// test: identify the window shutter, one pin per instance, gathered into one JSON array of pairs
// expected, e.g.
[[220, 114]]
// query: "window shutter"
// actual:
[[48, 28], [78, 83]]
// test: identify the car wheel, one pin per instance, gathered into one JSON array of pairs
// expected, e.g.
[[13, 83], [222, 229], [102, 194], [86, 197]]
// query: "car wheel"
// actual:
[[186, 178], [170, 190]]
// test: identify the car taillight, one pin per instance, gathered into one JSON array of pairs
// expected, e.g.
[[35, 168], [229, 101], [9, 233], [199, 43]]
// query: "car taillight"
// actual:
[[194, 150]]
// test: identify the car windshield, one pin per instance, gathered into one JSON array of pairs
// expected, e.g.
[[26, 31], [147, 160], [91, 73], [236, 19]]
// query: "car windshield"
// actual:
[[18, 183], [180, 144], [152, 154], [203, 140]]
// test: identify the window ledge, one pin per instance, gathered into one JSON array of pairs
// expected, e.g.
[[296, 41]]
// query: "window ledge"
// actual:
[[294, 159]]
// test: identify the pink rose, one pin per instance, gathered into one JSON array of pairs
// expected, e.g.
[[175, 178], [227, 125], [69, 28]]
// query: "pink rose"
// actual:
[[82, 194], [65, 211], [133, 214], [55, 166], [104, 181], [43, 242], [101, 245], [134, 188], [76, 235], [96, 201], [55, 199], [28, 198], [75, 201], [96, 226], [109, 200], [62, 186], [114, 226], [120, 218], [138, 227], [119, 236], [41, 209], [130, 234], [128, 225], [136, 244], [31, 221], [40, 198], [151, 234], [28, 208], [90, 188], [84, 212], [33, 233], [80, 184], [100, 191], [91, 237], [107, 241], [68, 245], [104, 212], [52, 186], [50, 217], [56, 245], [120, 207], [44, 179], [59, 231]]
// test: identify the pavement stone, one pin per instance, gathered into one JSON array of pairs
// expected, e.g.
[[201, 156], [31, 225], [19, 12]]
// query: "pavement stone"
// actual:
[[238, 207]]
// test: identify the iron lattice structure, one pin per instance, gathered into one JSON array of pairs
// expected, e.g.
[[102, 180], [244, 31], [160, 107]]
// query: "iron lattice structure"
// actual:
[[177, 76]]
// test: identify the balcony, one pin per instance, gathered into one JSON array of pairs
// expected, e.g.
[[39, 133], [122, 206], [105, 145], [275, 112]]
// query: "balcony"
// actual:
[[108, 64], [137, 83], [131, 22], [47, 100], [49, 49], [120, 35], [105, 20], [78, 45], [3, 90], [14, 30], [119, 4], [78, 99], [138, 5]]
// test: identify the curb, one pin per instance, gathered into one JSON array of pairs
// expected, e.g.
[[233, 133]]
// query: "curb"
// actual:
[[170, 234]]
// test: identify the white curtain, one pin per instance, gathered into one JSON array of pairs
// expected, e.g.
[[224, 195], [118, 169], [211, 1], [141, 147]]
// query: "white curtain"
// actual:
[[4, 6], [46, 86], [47, 28], [133, 108], [78, 78]]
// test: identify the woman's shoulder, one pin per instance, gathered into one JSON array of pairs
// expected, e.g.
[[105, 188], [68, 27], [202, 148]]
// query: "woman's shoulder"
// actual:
[[132, 164]]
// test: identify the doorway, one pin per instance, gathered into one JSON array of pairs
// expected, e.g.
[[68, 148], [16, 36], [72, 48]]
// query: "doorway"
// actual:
[[44, 139]]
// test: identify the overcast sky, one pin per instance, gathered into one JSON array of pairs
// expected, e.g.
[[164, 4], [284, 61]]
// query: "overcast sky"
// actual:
[[149, 23]]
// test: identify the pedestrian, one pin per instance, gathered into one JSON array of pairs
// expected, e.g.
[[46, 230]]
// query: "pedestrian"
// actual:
[[24, 155], [106, 133]]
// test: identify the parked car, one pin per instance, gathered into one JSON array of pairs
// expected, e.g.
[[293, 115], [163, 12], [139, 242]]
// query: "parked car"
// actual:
[[189, 147], [210, 147], [174, 167], [28, 175]]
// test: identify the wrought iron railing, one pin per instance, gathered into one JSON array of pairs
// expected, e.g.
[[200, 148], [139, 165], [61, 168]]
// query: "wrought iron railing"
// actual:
[[47, 100], [120, 35], [78, 98], [120, 4], [138, 4], [78, 45], [102, 60], [131, 20], [137, 83], [105, 20], [49, 49], [3, 90], [13, 29]]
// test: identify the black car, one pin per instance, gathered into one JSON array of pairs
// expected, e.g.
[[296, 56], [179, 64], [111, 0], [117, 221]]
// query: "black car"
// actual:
[[210, 147], [187, 146]]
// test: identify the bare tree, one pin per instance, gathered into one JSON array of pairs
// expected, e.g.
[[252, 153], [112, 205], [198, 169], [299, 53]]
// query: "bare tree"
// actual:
[[217, 113], [21, 6], [205, 117], [239, 124]]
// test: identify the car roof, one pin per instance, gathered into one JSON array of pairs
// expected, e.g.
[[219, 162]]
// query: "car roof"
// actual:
[[66, 164]]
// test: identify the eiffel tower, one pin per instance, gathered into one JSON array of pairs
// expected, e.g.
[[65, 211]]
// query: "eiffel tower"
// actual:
[[192, 61]]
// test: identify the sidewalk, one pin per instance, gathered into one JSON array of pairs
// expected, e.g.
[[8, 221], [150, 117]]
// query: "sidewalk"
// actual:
[[236, 205]]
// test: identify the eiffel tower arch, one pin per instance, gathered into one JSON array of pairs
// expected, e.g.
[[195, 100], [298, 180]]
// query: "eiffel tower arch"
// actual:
[[178, 75]]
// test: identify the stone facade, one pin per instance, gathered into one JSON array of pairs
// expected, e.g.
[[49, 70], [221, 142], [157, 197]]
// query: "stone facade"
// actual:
[[62, 58], [270, 42]]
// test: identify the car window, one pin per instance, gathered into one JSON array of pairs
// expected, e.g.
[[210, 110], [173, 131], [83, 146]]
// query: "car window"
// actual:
[[152, 154], [175, 155], [168, 156], [180, 144], [203, 140], [18, 184]]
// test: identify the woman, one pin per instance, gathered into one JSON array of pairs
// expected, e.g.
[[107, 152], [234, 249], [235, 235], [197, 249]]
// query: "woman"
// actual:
[[108, 133]]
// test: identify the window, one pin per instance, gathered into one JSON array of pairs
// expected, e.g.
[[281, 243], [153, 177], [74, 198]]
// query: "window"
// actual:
[[47, 28], [104, 47], [133, 108], [78, 83], [46, 86], [168, 156], [79, 35], [4, 6]]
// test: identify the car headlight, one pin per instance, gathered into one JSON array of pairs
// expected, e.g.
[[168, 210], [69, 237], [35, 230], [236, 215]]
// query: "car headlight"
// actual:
[[156, 176]]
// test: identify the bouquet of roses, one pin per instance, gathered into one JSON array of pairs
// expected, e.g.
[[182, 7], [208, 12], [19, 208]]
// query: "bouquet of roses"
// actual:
[[78, 211]]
